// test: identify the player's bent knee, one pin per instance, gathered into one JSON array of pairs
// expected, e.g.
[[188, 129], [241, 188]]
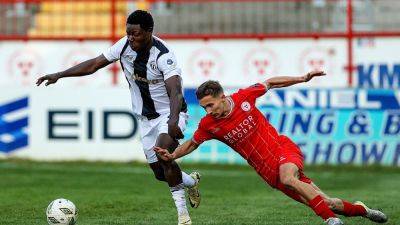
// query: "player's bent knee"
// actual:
[[287, 180], [167, 142]]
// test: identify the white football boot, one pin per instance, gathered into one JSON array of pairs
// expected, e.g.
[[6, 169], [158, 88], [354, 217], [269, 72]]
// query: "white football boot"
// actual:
[[184, 219], [373, 214], [193, 192], [334, 221]]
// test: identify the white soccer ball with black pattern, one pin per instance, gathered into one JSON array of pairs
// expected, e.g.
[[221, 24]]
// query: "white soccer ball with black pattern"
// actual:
[[61, 212]]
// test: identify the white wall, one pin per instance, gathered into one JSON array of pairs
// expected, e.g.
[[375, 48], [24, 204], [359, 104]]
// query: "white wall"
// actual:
[[233, 62]]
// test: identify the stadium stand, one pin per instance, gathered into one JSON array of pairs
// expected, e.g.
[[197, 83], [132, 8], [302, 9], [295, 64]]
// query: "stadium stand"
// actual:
[[88, 19], [93, 18]]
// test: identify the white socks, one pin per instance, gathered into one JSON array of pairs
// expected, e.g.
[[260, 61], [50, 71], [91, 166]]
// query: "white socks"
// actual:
[[178, 194], [187, 180]]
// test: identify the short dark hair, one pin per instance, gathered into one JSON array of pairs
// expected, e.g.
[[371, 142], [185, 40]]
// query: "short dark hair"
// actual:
[[210, 87], [143, 18]]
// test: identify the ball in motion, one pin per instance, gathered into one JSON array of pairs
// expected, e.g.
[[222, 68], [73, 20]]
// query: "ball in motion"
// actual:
[[61, 212]]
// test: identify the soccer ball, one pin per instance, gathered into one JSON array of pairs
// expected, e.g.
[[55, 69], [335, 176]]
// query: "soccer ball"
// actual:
[[62, 212]]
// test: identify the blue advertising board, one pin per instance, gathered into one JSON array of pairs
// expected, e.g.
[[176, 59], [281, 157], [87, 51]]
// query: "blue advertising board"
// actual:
[[331, 126]]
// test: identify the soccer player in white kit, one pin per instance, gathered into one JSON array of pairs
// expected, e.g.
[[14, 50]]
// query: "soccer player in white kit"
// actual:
[[154, 79]]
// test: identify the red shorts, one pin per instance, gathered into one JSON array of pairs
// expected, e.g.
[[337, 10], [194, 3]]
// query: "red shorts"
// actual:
[[291, 153], [288, 152]]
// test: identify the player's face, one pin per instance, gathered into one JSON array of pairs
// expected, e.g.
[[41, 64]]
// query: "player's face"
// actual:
[[137, 37], [213, 105]]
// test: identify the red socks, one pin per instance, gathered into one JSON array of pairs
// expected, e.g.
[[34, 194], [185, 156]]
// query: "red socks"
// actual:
[[321, 208], [350, 209]]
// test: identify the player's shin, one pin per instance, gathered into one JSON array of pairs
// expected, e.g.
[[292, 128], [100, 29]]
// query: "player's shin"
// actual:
[[319, 206], [178, 194]]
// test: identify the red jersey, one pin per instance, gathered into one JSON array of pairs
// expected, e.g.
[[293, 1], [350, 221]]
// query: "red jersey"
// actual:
[[247, 131]]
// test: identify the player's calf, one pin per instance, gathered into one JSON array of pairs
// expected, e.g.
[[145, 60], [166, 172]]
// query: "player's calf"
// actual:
[[319, 206], [158, 171]]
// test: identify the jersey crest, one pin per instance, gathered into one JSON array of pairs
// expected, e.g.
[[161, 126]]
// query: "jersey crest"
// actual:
[[245, 106]]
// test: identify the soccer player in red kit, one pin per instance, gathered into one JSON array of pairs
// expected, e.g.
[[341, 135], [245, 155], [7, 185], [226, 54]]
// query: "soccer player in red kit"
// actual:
[[235, 121]]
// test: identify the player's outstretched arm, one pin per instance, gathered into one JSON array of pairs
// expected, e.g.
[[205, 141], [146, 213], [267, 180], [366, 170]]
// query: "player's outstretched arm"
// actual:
[[285, 81], [82, 69], [182, 150]]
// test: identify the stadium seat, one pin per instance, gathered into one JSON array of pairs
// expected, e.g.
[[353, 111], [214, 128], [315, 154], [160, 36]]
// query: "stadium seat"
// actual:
[[88, 19]]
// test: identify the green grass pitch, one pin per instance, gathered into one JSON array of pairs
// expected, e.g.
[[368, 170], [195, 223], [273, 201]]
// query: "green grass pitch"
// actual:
[[111, 193]]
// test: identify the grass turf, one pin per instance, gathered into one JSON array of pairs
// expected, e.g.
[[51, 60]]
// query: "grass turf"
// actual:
[[111, 193]]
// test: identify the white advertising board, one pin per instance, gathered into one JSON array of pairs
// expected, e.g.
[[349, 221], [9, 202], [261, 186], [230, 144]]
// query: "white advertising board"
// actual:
[[239, 63], [233, 62], [22, 62], [68, 124]]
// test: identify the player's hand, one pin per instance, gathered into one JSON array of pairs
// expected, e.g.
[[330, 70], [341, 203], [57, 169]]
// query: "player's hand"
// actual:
[[50, 78], [315, 73], [174, 131], [164, 154]]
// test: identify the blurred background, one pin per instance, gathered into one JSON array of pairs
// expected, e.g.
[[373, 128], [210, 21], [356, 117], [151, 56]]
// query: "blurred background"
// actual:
[[351, 116]]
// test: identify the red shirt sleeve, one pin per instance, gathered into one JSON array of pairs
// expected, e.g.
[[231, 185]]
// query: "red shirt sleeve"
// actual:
[[201, 135], [253, 92]]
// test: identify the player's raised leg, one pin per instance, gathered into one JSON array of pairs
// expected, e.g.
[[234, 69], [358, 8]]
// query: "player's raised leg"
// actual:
[[191, 182], [304, 192], [188, 180], [173, 176]]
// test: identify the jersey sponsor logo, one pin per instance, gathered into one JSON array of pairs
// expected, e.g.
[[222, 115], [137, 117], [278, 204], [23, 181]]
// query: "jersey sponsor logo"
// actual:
[[142, 79], [241, 130], [245, 106]]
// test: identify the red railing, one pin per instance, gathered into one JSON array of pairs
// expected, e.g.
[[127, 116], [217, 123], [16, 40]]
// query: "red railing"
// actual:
[[117, 24]]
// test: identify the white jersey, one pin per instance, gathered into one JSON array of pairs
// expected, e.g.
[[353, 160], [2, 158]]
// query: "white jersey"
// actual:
[[146, 73]]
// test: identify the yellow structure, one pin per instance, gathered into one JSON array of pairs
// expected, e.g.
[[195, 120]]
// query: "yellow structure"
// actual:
[[84, 18]]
